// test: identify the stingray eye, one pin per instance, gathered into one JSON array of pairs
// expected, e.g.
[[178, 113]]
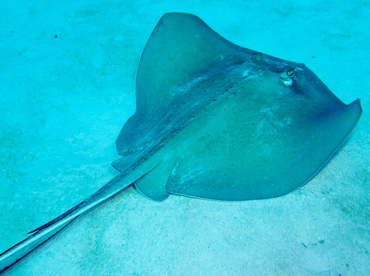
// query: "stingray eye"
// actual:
[[286, 76], [288, 71]]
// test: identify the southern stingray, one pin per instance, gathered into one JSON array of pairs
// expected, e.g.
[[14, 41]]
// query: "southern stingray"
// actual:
[[216, 121]]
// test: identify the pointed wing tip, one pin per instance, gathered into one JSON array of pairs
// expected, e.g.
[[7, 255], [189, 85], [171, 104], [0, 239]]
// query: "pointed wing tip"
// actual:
[[356, 106]]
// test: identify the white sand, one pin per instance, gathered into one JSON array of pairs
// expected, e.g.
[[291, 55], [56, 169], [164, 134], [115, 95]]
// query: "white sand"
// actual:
[[64, 99]]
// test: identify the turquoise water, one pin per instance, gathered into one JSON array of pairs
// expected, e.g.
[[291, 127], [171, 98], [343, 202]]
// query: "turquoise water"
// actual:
[[67, 87]]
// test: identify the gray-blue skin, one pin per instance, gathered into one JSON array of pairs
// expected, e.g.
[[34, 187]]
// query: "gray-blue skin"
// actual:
[[216, 121]]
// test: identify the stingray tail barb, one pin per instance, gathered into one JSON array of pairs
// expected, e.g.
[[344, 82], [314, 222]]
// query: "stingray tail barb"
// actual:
[[45, 232]]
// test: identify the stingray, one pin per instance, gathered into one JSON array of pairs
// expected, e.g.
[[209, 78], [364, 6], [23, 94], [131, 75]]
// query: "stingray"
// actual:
[[215, 121]]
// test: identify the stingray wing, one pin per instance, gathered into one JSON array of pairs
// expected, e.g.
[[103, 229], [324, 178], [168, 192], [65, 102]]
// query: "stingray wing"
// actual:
[[243, 149], [181, 50]]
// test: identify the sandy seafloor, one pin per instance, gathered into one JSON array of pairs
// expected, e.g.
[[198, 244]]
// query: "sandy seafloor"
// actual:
[[67, 84]]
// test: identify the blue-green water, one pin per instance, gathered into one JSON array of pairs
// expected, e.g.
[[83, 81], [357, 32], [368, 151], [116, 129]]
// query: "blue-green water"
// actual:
[[67, 85]]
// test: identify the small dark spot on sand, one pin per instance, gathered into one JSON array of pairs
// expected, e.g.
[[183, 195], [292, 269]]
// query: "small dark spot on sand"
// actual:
[[345, 210]]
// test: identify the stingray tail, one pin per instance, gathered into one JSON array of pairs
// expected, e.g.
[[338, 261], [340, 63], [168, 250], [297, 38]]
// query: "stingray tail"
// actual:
[[45, 232]]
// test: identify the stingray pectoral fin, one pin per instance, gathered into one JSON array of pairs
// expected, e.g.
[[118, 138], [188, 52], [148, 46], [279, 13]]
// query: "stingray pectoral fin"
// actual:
[[182, 49], [236, 150]]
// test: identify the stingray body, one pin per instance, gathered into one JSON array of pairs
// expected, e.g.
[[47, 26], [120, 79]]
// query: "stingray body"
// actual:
[[216, 121]]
